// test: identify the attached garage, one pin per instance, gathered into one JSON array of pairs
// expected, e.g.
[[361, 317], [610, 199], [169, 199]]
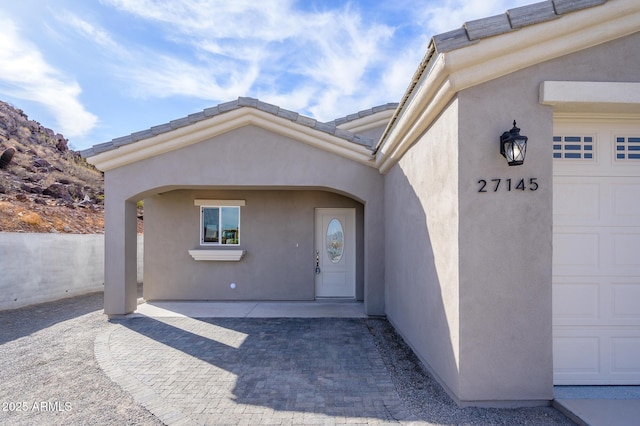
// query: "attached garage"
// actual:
[[596, 250]]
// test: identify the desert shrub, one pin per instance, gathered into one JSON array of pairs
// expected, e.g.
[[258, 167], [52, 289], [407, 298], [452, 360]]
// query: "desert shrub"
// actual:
[[32, 218], [24, 132]]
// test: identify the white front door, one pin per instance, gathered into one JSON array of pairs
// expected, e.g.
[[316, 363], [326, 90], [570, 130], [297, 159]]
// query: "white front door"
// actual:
[[335, 253]]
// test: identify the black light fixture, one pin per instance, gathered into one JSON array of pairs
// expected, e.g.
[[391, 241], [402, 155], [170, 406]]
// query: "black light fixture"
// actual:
[[513, 146]]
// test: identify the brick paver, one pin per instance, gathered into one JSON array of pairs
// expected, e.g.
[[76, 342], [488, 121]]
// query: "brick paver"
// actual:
[[252, 371], [183, 371]]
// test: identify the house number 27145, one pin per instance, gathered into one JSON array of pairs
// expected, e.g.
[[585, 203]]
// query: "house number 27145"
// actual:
[[494, 185]]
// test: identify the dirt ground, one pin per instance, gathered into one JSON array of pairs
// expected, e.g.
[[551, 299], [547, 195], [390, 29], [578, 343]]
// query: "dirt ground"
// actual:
[[30, 216], [27, 216]]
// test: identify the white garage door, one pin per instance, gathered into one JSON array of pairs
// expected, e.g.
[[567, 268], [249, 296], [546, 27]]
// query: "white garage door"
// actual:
[[596, 253]]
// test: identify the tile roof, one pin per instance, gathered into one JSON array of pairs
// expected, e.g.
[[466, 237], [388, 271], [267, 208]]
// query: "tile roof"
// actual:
[[512, 20], [473, 31], [241, 102], [363, 113]]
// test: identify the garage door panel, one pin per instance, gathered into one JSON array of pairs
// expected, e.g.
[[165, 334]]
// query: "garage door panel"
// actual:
[[596, 201], [626, 210], [625, 303], [576, 355], [608, 302], [570, 193], [622, 363], [576, 251], [596, 251], [626, 248], [575, 301], [596, 355]]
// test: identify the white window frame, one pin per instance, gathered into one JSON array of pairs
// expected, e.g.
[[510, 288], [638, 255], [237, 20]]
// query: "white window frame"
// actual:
[[219, 204], [629, 155]]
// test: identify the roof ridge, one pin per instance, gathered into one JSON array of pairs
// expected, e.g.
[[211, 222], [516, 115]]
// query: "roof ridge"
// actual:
[[512, 20], [363, 113], [241, 102]]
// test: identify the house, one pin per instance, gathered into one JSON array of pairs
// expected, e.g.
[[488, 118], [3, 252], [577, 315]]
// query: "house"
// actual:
[[504, 280]]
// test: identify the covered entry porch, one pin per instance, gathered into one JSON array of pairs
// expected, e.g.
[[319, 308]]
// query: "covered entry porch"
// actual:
[[253, 245], [277, 174]]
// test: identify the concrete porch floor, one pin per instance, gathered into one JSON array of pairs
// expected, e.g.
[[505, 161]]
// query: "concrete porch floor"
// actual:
[[319, 309]]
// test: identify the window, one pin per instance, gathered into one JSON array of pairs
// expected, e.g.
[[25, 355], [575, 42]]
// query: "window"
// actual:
[[219, 222], [574, 147], [627, 148]]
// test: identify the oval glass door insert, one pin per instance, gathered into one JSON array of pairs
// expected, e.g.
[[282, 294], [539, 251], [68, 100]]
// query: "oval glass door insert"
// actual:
[[335, 241]]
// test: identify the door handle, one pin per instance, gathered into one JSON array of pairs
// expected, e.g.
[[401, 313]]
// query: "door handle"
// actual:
[[317, 262]]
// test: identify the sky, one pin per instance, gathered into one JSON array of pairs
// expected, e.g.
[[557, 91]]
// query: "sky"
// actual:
[[95, 70]]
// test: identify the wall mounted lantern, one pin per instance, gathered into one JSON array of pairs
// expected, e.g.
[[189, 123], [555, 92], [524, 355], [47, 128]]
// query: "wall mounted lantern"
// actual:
[[513, 146]]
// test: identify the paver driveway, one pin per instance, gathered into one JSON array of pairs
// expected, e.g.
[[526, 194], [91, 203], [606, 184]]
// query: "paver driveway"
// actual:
[[145, 371], [260, 371]]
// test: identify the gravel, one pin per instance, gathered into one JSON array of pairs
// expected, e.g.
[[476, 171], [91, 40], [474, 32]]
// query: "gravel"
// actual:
[[429, 402], [49, 374]]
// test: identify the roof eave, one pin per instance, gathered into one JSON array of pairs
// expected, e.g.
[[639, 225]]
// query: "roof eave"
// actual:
[[199, 131], [368, 122], [443, 75]]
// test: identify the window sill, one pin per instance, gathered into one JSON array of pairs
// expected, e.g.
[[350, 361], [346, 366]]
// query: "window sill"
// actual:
[[218, 255]]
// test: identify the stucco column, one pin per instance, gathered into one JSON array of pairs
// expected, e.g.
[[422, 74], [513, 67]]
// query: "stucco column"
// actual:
[[374, 257], [505, 249], [120, 274]]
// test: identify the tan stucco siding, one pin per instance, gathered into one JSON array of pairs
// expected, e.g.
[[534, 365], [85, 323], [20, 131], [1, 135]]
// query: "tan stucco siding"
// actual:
[[506, 236], [249, 158], [497, 305], [246, 157], [617, 60], [421, 239], [505, 245], [276, 230]]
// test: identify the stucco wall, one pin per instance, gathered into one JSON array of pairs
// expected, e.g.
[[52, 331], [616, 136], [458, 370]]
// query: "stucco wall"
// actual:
[[277, 232], [39, 268], [505, 246], [617, 60], [506, 236], [248, 158], [421, 240], [503, 341]]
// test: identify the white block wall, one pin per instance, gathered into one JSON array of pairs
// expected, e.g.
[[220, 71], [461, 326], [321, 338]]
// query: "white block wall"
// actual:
[[36, 268]]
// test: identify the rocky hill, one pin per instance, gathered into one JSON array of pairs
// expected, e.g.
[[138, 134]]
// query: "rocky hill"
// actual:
[[44, 185]]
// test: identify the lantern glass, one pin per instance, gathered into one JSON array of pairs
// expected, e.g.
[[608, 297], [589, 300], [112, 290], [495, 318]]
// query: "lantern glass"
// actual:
[[515, 151]]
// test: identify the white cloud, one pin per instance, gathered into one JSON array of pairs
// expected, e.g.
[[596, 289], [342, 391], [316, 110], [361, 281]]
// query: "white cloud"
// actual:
[[345, 48], [88, 30], [397, 76], [218, 19], [297, 100], [327, 62], [26, 75], [265, 48], [172, 77], [147, 71]]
